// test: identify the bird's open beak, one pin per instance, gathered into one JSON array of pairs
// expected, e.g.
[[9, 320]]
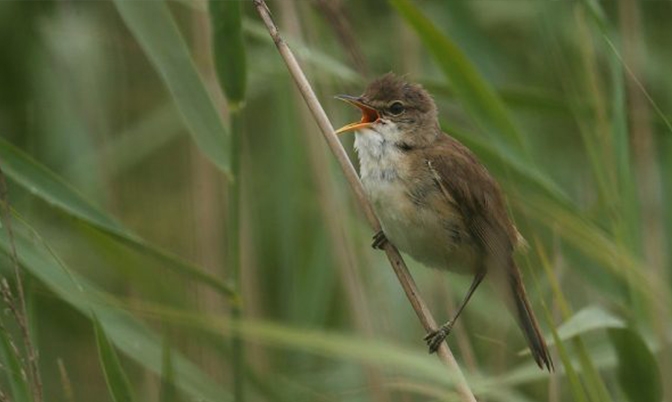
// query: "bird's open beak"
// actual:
[[369, 114]]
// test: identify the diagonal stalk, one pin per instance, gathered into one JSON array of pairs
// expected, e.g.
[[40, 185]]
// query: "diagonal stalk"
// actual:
[[398, 264]]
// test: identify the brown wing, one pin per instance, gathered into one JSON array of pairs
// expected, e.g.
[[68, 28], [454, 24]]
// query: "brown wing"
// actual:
[[468, 185], [470, 188]]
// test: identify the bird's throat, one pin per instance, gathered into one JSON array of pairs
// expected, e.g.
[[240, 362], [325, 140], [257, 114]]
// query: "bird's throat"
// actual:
[[380, 161], [377, 143]]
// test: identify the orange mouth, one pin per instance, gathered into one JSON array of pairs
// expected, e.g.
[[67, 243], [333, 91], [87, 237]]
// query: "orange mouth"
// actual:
[[369, 114]]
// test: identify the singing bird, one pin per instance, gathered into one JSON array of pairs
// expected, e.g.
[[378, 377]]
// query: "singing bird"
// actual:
[[435, 200]]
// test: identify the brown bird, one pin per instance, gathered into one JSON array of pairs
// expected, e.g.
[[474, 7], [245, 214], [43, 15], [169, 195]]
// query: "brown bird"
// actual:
[[435, 200]]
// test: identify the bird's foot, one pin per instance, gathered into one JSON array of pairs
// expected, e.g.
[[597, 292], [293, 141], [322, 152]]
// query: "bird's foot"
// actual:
[[435, 338], [379, 240]]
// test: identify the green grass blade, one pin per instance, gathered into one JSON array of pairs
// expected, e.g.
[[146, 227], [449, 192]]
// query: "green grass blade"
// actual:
[[593, 385], [228, 49], [576, 388], [478, 97], [168, 393], [315, 57], [180, 266], [568, 222], [596, 244], [628, 229], [156, 31], [305, 340], [129, 335], [13, 369], [637, 372], [589, 319], [157, 129], [229, 56], [402, 361], [46, 185], [117, 382]]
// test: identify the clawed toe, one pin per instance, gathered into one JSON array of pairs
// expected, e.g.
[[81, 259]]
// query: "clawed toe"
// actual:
[[379, 240], [435, 338]]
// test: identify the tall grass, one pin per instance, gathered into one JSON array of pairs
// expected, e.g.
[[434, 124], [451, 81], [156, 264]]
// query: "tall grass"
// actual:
[[110, 112]]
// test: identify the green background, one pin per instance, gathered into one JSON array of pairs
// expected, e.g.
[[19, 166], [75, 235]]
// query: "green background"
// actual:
[[124, 157]]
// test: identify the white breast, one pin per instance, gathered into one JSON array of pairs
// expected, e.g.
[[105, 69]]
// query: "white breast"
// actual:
[[413, 229], [380, 162], [379, 159]]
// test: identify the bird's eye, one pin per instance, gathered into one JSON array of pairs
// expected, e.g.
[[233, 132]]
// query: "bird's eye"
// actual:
[[396, 108]]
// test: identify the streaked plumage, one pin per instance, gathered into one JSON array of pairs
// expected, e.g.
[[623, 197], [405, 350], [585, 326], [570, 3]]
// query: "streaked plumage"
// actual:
[[434, 199]]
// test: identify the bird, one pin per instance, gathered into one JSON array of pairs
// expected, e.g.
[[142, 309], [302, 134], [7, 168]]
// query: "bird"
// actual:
[[435, 201]]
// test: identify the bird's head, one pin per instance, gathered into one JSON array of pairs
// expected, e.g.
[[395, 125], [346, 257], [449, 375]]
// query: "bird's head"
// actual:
[[392, 106]]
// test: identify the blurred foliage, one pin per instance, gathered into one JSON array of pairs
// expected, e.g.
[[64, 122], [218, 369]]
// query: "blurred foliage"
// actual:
[[115, 140]]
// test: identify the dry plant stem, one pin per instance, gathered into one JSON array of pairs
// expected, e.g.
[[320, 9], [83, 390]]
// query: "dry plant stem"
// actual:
[[341, 245], [400, 269], [12, 345], [20, 312], [318, 113]]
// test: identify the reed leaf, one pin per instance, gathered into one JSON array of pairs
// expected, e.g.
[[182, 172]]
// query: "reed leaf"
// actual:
[[476, 94], [47, 186], [638, 372], [228, 49], [154, 28], [14, 371], [115, 376], [130, 336]]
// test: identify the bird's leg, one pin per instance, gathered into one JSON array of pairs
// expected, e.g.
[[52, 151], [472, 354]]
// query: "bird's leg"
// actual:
[[379, 240], [435, 338]]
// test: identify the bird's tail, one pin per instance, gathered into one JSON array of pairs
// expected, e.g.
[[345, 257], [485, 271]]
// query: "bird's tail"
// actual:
[[527, 321]]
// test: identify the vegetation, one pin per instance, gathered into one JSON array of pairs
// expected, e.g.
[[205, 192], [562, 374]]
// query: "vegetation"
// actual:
[[181, 232]]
